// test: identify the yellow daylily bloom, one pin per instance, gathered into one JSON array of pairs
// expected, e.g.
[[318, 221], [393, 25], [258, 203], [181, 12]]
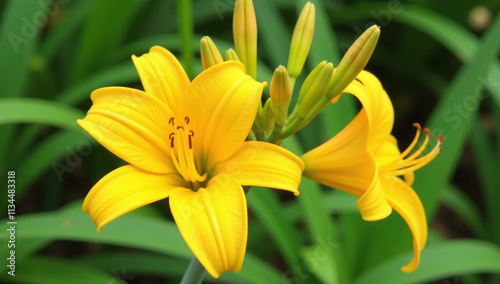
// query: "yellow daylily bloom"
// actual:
[[186, 141], [363, 159]]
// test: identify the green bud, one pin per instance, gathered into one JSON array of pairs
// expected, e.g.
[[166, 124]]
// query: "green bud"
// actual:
[[314, 88], [245, 35], [231, 55], [281, 94], [267, 116], [210, 55], [301, 40], [353, 61]]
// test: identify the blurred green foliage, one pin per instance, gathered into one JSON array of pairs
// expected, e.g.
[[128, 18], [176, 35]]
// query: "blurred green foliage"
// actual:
[[438, 60]]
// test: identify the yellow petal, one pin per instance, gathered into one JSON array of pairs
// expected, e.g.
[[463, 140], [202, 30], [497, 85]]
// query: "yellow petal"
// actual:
[[406, 202], [131, 125], [263, 164], [213, 222], [343, 162], [162, 75], [378, 107], [388, 154], [373, 204], [221, 104], [125, 189]]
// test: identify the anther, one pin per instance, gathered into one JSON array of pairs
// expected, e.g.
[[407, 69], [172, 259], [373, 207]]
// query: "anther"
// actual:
[[171, 137], [186, 120], [417, 126], [171, 121], [190, 136], [428, 132], [440, 139]]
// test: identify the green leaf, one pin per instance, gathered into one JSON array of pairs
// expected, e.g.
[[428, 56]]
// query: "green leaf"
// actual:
[[120, 74], [440, 261], [71, 145], [267, 207], [19, 32], [323, 234], [453, 127], [73, 19], [138, 232], [463, 207], [29, 110], [40, 270], [334, 201], [97, 41], [273, 33], [488, 165]]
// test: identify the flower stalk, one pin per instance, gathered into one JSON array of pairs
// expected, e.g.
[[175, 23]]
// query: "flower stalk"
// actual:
[[194, 273]]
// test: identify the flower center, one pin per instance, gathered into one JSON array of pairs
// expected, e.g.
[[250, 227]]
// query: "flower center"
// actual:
[[181, 144], [410, 163]]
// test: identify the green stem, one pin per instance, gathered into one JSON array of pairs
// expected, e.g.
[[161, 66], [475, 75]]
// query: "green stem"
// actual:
[[185, 16], [194, 273]]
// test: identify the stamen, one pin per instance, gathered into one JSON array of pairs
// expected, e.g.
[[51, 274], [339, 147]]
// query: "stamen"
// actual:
[[411, 164], [414, 142], [190, 138], [171, 138], [422, 147], [182, 152]]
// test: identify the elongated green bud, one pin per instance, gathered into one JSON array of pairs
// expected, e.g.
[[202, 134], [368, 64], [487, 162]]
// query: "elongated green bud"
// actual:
[[231, 55], [267, 117], [210, 55], [281, 94], [353, 61], [301, 40], [245, 35], [314, 88]]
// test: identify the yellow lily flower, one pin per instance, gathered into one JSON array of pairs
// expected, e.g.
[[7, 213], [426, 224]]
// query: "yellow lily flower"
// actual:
[[186, 141], [363, 159]]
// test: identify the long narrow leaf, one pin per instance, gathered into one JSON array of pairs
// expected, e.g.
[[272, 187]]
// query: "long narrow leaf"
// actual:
[[28, 110], [439, 261]]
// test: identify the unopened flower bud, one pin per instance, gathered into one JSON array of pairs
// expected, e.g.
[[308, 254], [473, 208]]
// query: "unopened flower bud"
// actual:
[[267, 116], [314, 88], [301, 40], [353, 61], [245, 35], [210, 55], [281, 93], [231, 55]]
